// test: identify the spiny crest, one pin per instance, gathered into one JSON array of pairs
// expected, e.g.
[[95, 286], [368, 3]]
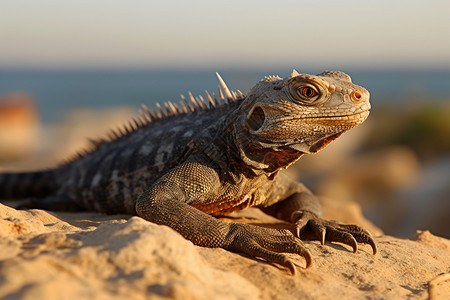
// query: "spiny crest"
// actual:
[[271, 78], [294, 73], [168, 109]]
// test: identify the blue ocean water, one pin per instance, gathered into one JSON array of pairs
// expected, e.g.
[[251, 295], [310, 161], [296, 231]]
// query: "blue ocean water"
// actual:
[[59, 91]]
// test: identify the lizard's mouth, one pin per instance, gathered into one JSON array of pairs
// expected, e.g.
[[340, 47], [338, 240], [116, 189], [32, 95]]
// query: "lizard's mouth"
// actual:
[[355, 118]]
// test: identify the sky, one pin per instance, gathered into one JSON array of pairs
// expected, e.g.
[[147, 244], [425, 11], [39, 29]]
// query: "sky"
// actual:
[[235, 34]]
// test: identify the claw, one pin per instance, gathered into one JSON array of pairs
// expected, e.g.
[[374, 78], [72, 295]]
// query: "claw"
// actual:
[[297, 230], [290, 265], [353, 244], [307, 257], [323, 231], [372, 244], [305, 253]]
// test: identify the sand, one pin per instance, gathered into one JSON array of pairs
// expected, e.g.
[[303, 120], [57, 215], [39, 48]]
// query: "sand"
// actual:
[[46, 255]]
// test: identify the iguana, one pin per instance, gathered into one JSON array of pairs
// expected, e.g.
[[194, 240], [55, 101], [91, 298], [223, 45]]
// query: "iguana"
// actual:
[[182, 165]]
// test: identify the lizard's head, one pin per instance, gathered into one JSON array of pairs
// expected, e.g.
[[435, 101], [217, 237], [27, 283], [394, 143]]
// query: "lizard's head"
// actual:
[[303, 112]]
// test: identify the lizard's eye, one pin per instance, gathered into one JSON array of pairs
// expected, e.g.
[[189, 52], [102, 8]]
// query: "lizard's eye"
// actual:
[[307, 91]]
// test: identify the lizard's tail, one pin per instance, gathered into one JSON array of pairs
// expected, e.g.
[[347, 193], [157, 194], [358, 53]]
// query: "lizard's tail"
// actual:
[[29, 184]]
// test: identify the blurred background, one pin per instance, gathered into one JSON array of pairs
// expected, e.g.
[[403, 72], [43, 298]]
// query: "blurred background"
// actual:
[[73, 69]]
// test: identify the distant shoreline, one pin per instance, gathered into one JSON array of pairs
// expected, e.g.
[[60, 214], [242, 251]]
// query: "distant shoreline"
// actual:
[[59, 91]]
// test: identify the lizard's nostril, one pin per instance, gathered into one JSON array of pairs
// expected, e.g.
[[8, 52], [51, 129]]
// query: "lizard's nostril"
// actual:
[[356, 96]]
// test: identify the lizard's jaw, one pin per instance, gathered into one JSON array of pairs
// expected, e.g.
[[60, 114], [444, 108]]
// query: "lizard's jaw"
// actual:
[[341, 123]]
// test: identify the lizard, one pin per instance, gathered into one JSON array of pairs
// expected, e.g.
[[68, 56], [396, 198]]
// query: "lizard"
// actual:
[[185, 165]]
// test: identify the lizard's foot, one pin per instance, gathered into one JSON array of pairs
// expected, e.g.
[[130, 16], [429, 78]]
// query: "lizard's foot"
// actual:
[[266, 243], [309, 226]]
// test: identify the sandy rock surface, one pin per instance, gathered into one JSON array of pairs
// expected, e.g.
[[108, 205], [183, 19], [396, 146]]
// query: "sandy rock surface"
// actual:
[[46, 255]]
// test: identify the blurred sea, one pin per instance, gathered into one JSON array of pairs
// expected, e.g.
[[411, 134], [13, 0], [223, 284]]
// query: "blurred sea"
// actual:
[[59, 91]]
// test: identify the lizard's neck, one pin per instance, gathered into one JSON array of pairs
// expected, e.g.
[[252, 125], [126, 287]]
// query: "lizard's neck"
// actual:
[[269, 158], [233, 150]]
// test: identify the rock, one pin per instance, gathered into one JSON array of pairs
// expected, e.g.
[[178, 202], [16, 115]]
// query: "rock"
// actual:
[[86, 255], [19, 126]]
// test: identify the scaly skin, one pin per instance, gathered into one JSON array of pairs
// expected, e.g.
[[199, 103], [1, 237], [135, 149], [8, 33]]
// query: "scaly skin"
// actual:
[[185, 164]]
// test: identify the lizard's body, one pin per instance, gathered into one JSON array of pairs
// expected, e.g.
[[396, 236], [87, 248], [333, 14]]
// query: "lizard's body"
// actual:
[[183, 164]]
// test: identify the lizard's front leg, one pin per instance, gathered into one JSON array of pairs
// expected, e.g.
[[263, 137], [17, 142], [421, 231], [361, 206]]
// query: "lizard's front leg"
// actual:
[[166, 203], [302, 209]]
